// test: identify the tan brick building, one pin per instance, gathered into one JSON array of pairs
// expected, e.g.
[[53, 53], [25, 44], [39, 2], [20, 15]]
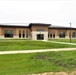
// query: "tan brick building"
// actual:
[[35, 31]]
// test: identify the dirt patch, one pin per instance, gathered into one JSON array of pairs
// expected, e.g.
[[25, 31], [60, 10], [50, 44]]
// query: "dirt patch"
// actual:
[[72, 73], [54, 73]]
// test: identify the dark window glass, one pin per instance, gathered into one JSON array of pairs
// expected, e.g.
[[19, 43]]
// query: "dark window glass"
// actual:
[[26, 34], [54, 35], [62, 35], [40, 36], [8, 33], [50, 34], [19, 33], [23, 34], [73, 34]]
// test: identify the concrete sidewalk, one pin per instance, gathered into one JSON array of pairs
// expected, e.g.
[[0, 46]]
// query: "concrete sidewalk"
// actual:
[[35, 51], [60, 42]]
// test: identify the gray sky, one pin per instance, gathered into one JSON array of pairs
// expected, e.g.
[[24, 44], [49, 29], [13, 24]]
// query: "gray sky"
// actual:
[[42, 11]]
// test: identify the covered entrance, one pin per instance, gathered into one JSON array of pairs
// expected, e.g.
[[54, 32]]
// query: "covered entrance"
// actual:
[[40, 36]]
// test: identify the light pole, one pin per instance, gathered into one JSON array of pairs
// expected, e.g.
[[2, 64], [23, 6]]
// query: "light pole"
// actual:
[[70, 32]]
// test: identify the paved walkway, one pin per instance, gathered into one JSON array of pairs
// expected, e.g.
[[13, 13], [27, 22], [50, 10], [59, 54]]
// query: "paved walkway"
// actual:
[[35, 51], [42, 50], [60, 42]]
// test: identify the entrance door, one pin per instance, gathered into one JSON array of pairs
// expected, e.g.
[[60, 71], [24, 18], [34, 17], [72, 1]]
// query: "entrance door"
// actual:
[[40, 36]]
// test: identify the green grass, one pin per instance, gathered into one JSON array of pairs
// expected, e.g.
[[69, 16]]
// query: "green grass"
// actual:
[[29, 45], [64, 40], [20, 64]]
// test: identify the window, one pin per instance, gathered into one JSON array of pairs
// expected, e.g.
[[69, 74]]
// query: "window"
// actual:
[[23, 34], [54, 35], [8, 33], [26, 34], [62, 35], [73, 34], [50, 35], [40, 30], [19, 33]]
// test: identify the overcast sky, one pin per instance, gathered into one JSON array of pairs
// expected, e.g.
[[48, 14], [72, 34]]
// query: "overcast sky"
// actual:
[[42, 11]]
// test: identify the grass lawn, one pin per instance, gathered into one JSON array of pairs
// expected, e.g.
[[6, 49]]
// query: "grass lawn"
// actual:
[[64, 40], [20, 64], [29, 45]]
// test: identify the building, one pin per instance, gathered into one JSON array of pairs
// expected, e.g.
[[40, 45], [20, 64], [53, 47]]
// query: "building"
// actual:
[[35, 31]]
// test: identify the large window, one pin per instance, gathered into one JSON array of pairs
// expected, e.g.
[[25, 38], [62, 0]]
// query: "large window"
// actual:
[[8, 33], [73, 34], [62, 35]]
